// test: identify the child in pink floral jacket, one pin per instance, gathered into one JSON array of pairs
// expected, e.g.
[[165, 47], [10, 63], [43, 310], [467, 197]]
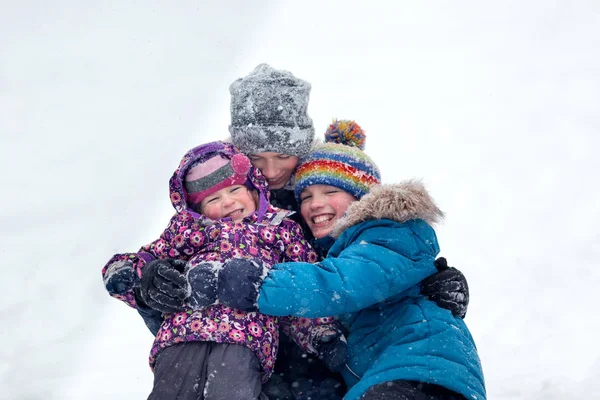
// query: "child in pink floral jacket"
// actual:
[[223, 213]]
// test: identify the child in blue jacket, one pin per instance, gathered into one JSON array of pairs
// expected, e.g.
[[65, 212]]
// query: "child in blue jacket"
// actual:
[[400, 345]]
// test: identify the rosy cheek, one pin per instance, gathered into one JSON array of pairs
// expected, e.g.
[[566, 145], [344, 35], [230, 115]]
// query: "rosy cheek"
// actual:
[[211, 212], [304, 209]]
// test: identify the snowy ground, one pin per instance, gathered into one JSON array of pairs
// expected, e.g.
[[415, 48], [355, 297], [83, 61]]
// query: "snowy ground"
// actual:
[[493, 104]]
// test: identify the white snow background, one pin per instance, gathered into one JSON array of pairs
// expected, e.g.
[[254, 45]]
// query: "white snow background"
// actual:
[[495, 105]]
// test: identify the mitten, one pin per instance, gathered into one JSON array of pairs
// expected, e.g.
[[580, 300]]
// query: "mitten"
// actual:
[[202, 279], [332, 348], [239, 282], [120, 277], [163, 285], [448, 288]]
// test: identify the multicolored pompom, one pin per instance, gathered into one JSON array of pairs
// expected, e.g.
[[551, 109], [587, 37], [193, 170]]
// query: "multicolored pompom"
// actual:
[[346, 132]]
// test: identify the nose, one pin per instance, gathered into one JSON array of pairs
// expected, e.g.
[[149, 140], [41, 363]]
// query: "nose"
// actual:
[[316, 202], [270, 171], [227, 201]]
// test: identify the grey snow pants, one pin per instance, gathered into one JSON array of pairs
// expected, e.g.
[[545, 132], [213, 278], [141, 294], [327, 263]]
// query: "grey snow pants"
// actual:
[[207, 371]]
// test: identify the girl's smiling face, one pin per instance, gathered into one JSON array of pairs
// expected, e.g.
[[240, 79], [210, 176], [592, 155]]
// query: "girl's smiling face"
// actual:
[[321, 206], [235, 202]]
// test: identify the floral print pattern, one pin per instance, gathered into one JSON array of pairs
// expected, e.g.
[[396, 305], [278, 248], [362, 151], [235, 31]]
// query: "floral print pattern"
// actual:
[[266, 235]]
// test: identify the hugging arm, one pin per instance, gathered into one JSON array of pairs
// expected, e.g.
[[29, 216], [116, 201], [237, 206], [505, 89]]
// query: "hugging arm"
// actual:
[[236, 282], [375, 265], [363, 274]]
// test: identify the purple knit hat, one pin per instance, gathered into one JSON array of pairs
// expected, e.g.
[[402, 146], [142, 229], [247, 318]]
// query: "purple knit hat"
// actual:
[[207, 177]]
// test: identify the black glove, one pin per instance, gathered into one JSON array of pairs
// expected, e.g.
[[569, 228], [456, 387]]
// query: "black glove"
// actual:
[[448, 288], [332, 348], [203, 284], [239, 283], [120, 277], [163, 286]]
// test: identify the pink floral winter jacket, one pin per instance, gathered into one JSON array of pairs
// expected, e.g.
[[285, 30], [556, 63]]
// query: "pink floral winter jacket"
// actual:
[[267, 235]]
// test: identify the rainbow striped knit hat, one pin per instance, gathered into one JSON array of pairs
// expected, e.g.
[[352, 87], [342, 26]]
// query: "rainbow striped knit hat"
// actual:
[[339, 162]]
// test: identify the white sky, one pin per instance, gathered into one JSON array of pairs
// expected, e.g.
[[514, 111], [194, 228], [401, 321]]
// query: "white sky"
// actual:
[[495, 106]]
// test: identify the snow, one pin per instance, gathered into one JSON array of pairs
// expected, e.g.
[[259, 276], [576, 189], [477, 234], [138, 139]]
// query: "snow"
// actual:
[[493, 104]]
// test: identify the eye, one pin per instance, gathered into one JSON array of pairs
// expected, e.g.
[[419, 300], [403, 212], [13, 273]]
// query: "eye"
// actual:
[[283, 156], [212, 200], [332, 191], [304, 198], [254, 158], [235, 189]]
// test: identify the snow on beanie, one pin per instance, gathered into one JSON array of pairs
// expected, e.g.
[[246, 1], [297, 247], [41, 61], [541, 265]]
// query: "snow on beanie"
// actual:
[[206, 177], [269, 113], [339, 162]]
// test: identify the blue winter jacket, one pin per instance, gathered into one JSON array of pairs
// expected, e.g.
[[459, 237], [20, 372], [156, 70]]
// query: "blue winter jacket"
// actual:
[[370, 280]]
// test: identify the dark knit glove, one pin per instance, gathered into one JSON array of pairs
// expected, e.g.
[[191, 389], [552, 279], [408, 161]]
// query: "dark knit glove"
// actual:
[[239, 282], [332, 348], [164, 286], [120, 277], [448, 288]]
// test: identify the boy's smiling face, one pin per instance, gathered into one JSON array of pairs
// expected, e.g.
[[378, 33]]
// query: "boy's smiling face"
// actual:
[[322, 205], [235, 202]]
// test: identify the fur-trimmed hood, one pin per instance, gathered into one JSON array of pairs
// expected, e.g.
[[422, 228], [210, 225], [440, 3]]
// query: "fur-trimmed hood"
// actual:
[[399, 202]]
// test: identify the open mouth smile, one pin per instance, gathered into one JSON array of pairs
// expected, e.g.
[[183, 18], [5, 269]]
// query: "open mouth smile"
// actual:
[[322, 219], [235, 213]]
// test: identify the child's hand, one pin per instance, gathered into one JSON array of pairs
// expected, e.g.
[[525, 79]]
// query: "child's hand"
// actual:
[[239, 283], [234, 283], [202, 279], [332, 348], [448, 288], [120, 277], [164, 287]]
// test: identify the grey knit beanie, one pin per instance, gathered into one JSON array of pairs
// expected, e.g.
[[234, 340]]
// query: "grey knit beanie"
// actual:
[[268, 113]]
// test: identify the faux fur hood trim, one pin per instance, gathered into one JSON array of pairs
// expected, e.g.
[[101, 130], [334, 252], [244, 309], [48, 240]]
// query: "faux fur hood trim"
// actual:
[[399, 202]]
